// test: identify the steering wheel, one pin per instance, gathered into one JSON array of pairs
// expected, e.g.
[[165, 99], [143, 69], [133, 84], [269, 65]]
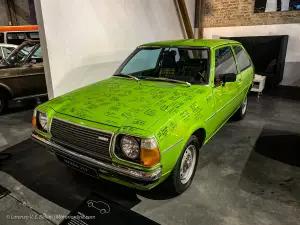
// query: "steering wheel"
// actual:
[[202, 77]]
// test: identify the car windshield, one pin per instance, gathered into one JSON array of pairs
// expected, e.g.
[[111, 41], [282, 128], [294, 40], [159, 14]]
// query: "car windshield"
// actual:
[[21, 54], [168, 63], [7, 51]]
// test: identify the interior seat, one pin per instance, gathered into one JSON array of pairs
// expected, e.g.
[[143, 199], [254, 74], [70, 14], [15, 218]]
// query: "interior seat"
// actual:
[[168, 64], [194, 67]]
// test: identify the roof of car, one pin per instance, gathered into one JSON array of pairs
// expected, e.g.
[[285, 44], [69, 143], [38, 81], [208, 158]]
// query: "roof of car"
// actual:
[[210, 43], [8, 45]]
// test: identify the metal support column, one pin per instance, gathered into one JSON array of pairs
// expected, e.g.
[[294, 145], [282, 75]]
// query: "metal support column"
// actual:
[[201, 18]]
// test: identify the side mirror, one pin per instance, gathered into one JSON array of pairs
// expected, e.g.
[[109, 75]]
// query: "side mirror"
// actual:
[[12, 60], [223, 78], [229, 77]]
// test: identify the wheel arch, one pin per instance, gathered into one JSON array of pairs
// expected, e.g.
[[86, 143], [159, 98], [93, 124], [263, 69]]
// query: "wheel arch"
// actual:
[[200, 133], [250, 87], [7, 89]]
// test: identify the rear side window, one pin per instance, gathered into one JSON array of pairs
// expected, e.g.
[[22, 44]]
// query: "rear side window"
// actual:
[[242, 58], [224, 61]]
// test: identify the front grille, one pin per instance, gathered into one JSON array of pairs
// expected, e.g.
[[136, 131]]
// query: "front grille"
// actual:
[[83, 139]]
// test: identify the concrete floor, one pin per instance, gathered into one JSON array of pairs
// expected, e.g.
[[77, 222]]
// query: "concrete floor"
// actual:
[[248, 173]]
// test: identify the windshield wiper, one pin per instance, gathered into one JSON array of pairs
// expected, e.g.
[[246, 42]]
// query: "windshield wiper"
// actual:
[[126, 75], [168, 80]]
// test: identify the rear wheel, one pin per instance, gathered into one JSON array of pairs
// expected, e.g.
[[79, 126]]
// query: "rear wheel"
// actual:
[[240, 114], [183, 173], [3, 101]]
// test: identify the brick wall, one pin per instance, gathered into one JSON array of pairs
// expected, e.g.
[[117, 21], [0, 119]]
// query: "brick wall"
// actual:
[[224, 13]]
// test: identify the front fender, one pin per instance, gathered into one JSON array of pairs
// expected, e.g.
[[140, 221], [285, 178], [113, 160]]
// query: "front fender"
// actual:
[[8, 89], [172, 138]]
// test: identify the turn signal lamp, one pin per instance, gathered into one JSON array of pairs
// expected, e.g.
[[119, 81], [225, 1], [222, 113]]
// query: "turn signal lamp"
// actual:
[[34, 124], [149, 155]]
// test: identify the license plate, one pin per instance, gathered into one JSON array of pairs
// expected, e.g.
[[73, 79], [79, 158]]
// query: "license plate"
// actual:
[[78, 166]]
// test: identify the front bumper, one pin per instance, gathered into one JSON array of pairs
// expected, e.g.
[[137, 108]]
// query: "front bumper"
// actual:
[[144, 179]]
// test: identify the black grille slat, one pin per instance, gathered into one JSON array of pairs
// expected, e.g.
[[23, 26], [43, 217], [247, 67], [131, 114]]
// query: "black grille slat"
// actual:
[[90, 132], [80, 141], [83, 138], [95, 155], [79, 136], [78, 131], [95, 138]]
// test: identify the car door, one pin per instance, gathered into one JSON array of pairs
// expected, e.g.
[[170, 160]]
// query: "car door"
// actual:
[[32, 75], [245, 69], [223, 93]]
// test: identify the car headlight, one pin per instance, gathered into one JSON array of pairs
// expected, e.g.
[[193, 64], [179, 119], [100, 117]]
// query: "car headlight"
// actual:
[[139, 150], [43, 121], [40, 121], [130, 147]]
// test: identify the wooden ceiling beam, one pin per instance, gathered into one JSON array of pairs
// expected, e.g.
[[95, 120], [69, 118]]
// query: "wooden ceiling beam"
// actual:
[[201, 19], [185, 18]]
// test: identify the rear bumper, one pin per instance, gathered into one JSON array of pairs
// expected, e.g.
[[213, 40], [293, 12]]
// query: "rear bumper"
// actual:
[[131, 177]]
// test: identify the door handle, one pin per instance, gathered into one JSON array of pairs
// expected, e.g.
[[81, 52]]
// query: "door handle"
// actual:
[[28, 65]]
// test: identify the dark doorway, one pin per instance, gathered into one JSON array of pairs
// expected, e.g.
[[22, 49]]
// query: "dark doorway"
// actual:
[[268, 55]]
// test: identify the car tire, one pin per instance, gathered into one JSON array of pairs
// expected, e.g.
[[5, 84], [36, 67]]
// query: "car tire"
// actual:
[[179, 180], [242, 111], [3, 101]]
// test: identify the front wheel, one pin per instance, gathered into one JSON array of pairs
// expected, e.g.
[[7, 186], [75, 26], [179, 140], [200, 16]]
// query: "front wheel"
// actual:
[[241, 113], [183, 173], [3, 101]]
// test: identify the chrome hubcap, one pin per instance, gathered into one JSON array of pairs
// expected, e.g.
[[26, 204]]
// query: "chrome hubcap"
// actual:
[[244, 105], [188, 163]]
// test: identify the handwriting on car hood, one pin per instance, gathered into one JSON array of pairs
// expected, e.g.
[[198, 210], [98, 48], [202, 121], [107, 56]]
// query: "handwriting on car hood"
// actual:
[[121, 102]]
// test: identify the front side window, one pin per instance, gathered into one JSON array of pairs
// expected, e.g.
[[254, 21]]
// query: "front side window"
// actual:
[[182, 64], [242, 58], [224, 62]]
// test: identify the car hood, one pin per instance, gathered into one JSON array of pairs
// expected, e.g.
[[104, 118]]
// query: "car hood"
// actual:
[[122, 102]]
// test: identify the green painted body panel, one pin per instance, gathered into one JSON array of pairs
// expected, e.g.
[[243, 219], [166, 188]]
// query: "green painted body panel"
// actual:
[[170, 112], [209, 43]]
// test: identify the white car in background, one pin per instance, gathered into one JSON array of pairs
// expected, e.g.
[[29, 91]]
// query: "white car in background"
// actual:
[[6, 49]]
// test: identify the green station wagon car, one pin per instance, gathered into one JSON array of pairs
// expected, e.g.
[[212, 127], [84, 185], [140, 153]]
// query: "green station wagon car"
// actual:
[[147, 122]]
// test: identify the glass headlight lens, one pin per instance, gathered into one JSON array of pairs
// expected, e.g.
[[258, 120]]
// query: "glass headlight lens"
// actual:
[[130, 147], [43, 121]]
